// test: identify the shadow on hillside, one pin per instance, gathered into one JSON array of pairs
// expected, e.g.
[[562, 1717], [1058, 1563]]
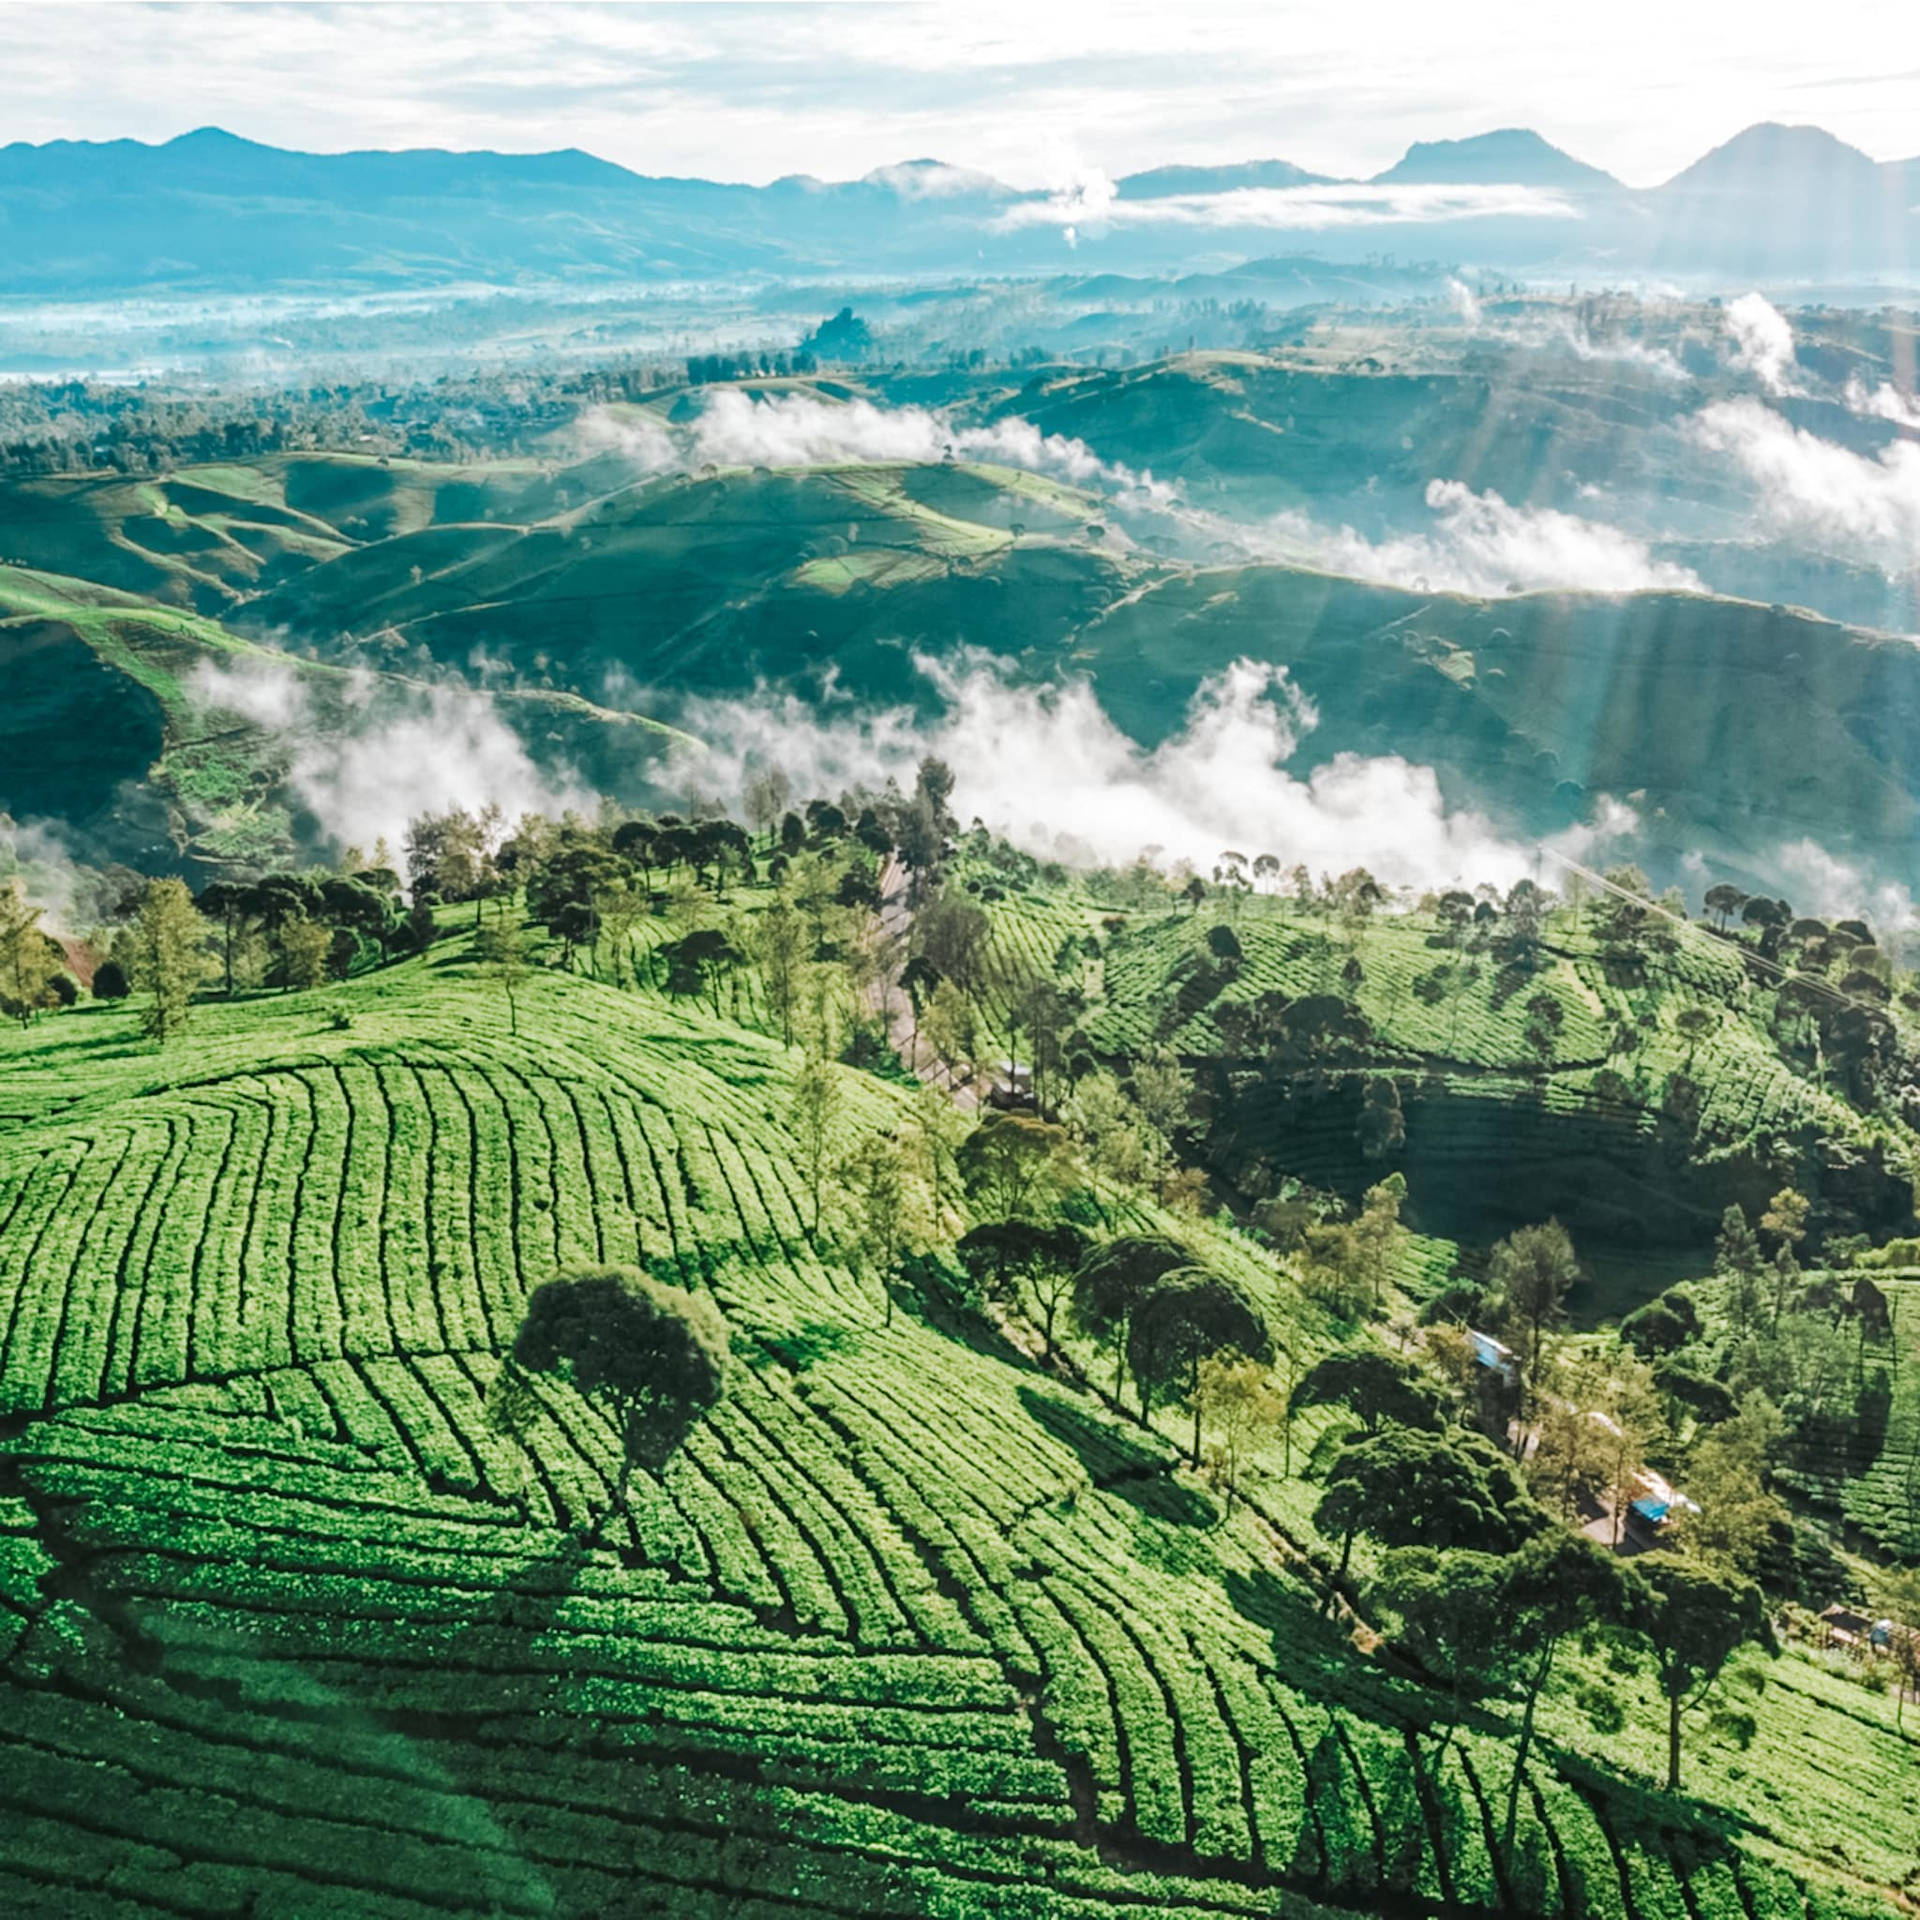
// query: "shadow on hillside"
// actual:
[[1133, 1466]]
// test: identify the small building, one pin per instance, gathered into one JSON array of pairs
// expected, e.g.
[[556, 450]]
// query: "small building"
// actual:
[[1656, 1504], [1493, 1355]]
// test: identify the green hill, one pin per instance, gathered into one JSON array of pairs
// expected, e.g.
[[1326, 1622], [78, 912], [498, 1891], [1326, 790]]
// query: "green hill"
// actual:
[[1732, 728], [910, 1625]]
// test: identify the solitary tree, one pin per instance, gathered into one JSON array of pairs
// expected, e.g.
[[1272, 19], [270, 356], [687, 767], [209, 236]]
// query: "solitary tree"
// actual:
[[168, 961], [29, 962], [1531, 1271], [781, 944], [815, 1113], [1556, 1586], [1406, 1487], [1015, 1164], [1377, 1387], [1190, 1315], [1695, 1619], [501, 950], [654, 1355], [1113, 1282], [1005, 1252], [1235, 1396]]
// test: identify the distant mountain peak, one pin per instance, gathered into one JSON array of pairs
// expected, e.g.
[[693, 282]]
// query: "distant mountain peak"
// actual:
[[1769, 155], [1162, 183], [1509, 156], [932, 180]]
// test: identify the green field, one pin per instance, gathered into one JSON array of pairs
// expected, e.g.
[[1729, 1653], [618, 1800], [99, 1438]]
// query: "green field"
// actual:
[[910, 1625]]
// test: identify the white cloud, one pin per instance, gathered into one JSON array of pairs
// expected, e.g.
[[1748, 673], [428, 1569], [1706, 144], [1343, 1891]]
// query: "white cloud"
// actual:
[[1047, 767], [1466, 303], [1762, 342], [1885, 402], [735, 429], [1865, 509], [1821, 883], [1091, 203], [1478, 544], [394, 753]]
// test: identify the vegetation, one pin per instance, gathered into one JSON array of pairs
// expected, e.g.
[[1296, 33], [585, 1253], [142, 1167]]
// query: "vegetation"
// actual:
[[1071, 1526]]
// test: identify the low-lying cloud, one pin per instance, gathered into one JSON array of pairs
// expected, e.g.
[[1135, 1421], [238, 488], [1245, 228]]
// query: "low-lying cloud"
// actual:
[[1091, 203], [1865, 509], [381, 754], [1820, 882], [1885, 402], [1762, 342], [735, 429], [1478, 544], [1047, 767]]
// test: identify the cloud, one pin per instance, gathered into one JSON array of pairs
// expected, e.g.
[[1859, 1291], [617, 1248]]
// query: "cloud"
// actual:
[[1864, 509], [1047, 767], [388, 752], [1092, 202], [1762, 342], [1885, 402], [1821, 883], [735, 429], [1466, 303], [1479, 544]]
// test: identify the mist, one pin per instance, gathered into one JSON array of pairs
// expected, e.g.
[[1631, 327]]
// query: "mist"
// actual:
[[735, 429], [1762, 342], [1478, 544], [381, 754], [1862, 508], [1046, 767]]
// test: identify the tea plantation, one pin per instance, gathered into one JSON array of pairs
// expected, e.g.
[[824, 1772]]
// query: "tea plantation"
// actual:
[[909, 1626]]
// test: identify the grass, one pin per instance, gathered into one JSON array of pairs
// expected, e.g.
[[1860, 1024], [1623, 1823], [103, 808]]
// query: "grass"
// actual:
[[909, 1625]]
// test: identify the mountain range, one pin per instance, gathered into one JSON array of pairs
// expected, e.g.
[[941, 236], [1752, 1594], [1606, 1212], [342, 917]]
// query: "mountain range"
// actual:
[[212, 211]]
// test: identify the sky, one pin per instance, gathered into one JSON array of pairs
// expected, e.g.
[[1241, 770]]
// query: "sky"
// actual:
[[1038, 95]]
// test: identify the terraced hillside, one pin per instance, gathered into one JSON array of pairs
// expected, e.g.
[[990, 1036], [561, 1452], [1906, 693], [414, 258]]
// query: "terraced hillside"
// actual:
[[1658, 1094], [910, 1626], [107, 730], [596, 579]]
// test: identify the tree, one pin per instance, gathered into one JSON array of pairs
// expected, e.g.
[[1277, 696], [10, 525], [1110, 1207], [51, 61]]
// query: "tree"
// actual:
[[781, 945], [500, 947], [654, 1355], [1695, 1618], [1545, 1017], [110, 981], [1378, 1388], [1192, 1313], [1531, 1272], [1452, 1618], [767, 792], [1736, 1260], [1733, 1516], [1723, 902], [1015, 1164], [1557, 1585], [1407, 1486], [889, 1212], [167, 955], [304, 946], [952, 1031], [1786, 1217], [814, 1114], [1235, 1396], [1111, 1284], [29, 961], [1045, 1257]]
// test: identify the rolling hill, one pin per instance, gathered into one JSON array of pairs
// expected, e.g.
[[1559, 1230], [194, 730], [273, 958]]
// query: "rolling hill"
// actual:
[[910, 1625], [1732, 728]]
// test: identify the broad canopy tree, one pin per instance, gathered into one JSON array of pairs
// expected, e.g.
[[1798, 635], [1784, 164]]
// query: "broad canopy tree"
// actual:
[[654, 1355]]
